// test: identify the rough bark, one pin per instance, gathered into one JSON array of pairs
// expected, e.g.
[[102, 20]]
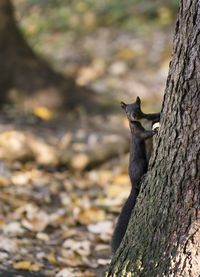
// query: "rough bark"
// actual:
[[28, 77], [163, 236]]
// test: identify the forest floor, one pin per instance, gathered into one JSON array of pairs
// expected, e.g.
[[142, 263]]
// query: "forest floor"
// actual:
[[57, 206], [64, 178]]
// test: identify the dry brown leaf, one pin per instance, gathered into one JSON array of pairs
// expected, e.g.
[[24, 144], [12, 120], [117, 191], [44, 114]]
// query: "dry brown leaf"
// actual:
[[122, 179], [44, 154], [14, 146], [35, 220], [101, 176], [12, 200], [20, 178], [79, 161], [90, 215], [105, 237], [35, 224], [70, 258], [4, 181], [42, 236]]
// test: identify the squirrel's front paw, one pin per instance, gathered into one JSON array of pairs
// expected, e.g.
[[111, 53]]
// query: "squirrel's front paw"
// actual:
[[155, 127]]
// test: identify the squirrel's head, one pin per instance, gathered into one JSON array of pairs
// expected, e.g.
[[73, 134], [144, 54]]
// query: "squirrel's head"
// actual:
[[133, 111], [135, 127]]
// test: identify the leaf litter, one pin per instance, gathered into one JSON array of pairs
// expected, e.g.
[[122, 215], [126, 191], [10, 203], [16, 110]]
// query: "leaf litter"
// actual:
[[57, 217]]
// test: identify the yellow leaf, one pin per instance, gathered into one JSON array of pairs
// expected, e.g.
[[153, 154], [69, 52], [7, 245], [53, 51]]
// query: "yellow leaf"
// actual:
[[43, 113], [27, 265]]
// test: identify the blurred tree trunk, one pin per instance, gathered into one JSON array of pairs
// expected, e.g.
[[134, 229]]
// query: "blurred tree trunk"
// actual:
[[21, 70], [163, 236]]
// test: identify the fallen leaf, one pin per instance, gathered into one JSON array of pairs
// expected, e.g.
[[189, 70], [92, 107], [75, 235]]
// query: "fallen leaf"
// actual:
[[103, 261], [13, 228], [70, 258], [52, 258], [35, 220], [79, 161], [8, 245], [42, 236], [27, 265], [90, 215], [102, 248], [14, 146], [101, 227], [43, 153], [83, 248], [20, 178], [43, 113], [116, 190], [122, 179]]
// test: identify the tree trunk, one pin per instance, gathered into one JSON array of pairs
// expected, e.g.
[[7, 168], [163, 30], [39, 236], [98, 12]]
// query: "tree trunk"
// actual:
[[26, 75], [163, 236]]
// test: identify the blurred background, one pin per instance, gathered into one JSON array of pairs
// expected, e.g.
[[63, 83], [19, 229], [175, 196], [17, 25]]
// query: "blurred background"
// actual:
[[64, 140]]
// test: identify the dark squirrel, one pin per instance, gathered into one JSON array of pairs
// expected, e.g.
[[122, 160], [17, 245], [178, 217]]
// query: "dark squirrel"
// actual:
[[134, 112], [138, 165]]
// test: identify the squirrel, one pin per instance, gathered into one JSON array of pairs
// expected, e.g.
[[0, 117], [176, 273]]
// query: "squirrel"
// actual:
[[134, 112], [149, 121], [137, 168]]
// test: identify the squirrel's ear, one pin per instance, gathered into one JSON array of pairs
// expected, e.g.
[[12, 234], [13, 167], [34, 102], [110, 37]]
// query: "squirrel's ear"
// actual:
[[123, 105], [138, 101]]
